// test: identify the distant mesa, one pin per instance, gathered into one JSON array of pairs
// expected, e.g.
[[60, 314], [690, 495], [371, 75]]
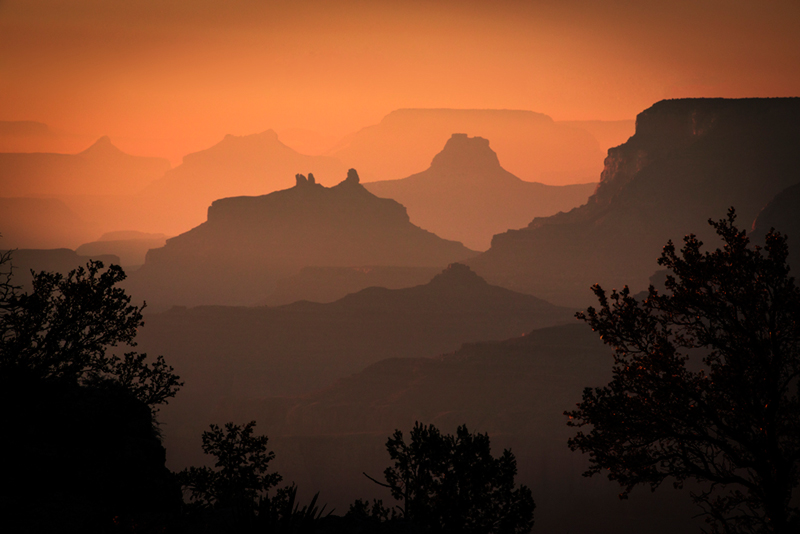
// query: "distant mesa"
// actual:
[[248, 243], [236, 166], [467, 196], [690, 160], [532, 145]]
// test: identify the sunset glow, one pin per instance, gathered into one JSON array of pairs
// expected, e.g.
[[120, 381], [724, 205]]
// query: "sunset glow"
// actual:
[[168, 78]]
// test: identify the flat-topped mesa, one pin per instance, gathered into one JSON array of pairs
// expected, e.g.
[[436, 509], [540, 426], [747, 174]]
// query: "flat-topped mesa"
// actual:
[[346, 203], [672, 125], [248, 243], [689, 160], [462, 152]]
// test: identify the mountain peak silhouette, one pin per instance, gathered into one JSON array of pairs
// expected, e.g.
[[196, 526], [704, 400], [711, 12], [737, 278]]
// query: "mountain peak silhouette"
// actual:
[[462, 152], [458, 275], [103, 148]]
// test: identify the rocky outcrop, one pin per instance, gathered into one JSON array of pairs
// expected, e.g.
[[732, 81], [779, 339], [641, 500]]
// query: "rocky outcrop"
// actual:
[[531, 145], [467, 196], [247, 243], [690, 160], [237, 165]]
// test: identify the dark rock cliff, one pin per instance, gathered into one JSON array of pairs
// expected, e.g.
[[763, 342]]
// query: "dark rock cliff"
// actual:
[[690, 160]]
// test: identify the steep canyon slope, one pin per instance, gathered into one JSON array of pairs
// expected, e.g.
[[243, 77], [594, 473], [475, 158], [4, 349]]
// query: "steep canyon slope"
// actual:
[[690, 160]]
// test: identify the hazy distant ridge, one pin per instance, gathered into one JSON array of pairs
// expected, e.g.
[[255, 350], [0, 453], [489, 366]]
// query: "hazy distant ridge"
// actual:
[[466, 195]]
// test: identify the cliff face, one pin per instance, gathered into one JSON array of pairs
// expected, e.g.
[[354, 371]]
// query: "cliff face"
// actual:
[[690, 160], [467, 196], [247, 243]]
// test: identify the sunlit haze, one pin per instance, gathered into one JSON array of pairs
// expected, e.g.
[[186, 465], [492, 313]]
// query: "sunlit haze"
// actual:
[[168, 78]]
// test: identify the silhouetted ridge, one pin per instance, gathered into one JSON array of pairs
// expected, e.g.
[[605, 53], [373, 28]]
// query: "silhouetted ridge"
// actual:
[[103, 148], [462, 153], [458, 275], [689, 160], [248, 243]]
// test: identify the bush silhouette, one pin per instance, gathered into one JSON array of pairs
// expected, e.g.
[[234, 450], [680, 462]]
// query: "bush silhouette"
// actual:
[[452, 484]]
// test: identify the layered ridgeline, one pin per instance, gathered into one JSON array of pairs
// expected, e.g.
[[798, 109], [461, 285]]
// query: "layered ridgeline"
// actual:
[[237, 165], [129, 246], [467, 196], [31, 222], [516, 390], [63, 200], [248, 243], [255, 352], [534, 147], [690, 160], [101, 169]]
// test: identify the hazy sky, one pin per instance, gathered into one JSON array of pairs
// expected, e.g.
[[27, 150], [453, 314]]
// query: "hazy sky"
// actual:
[[168, 76]]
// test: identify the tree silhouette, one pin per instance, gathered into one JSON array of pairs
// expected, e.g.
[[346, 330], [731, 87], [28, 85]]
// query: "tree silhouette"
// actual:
[[80, 422], [64, 327], [240, 479], [453, 484], [705, 383]]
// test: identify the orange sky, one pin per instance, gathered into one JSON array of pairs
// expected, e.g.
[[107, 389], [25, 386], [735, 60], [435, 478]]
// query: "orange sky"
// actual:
[[166, 77]]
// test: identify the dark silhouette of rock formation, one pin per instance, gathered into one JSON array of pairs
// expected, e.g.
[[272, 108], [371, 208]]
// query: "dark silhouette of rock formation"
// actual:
[[102, 169], [288, 350], [533, 146], [236, 166], [327, 284], [248, 243], [467, 196], [690, 160]]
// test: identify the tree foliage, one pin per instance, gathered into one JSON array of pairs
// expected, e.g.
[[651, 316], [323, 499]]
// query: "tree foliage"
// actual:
[[239, 479], [706, 383], [63, 329], [453, 483]]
